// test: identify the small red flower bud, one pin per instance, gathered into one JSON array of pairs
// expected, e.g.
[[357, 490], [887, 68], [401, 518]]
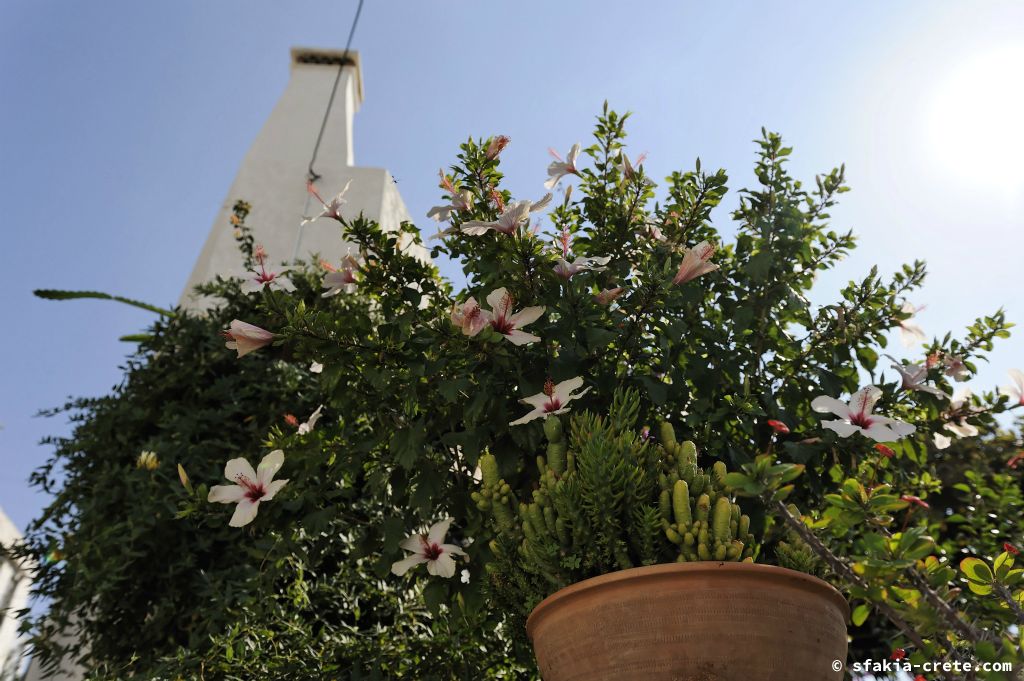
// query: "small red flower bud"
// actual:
[[898, 654], [885, 451], [1010, 548], [291, 420], [920, 677], [917, 501], [1015, 459], [778, 426]]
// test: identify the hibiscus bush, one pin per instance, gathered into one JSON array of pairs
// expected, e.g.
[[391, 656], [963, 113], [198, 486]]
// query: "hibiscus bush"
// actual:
[[143, 578], [849, 461]]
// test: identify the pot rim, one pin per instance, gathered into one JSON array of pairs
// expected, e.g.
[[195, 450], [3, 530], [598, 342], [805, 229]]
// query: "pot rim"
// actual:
[[655, 572]]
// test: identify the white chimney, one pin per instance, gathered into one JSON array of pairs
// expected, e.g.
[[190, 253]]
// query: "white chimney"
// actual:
[[273, 174]]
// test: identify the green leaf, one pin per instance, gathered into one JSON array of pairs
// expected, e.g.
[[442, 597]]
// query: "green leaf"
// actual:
[[407, 445], [976, 570], [860, 614], [1003, 564], [434, 596], [656, 390]]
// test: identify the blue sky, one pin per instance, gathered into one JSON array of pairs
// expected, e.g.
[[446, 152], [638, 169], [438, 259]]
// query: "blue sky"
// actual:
[[123, 123]]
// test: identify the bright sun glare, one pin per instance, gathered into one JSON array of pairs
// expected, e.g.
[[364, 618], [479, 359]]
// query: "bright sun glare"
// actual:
[[975, 120]]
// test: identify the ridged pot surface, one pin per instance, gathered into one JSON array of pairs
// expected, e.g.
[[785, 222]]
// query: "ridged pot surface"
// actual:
[[704, 621]]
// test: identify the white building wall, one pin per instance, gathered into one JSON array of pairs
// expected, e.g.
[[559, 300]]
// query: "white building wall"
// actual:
[[273, 174], [15, 581]]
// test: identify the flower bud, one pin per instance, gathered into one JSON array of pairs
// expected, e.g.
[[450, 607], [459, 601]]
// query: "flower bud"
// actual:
[[183, 476], [147, 460], [497, 144]]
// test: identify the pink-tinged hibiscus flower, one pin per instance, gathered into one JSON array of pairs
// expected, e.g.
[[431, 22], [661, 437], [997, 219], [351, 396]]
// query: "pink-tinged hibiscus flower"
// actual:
[[910, 333], [559, 168], [430, 549], [459, 202], [496, 145], [552, 399], [606, 296], [1016, 391], [509, 324], [955, 367], [695, 263], [654, 231], [250, 488], [913, 377], [245, 337], [341, 280], [470, 317], [628, 169], [956, 420], [511, 219], [331, 209], [566, 269], [264, 277], [856, 417], [307, 427]]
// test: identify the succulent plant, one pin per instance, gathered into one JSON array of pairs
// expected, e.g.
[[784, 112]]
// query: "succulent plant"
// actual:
[[607, 498], [793, 552]]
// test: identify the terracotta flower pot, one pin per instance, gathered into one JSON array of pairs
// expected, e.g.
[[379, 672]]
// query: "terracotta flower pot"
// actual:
[[705, 621]]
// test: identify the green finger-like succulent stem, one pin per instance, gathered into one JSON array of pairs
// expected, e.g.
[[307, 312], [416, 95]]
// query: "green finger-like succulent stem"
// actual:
[[703, 507], [688, 452], [673, 536], [489, 469], [667, 434], [536, 516], [720, 522], [553, 429], [549, 520], [719, 471], [556, 456], [681, 503]]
